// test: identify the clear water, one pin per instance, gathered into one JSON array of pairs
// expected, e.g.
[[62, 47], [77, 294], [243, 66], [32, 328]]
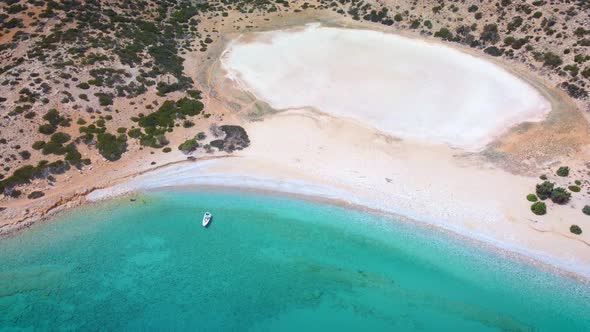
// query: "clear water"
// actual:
[[266, 263]]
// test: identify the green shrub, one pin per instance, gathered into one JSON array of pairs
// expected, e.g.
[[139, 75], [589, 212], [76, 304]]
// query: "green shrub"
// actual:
[[187, 124], [539, 208], [25, 154], [166, 149], [121, 130], [444, 33], [60, 138], [531, 197], [46, 129], [551, 59], [575, 189], [38, 145], [134, 133], [490, 34], [543, 177], [560, 196], [578, 182], [83, 86], [104, 99], [53, 148], [544, 190], [188, 146], [53, 117], [494, 51], [110, 146], [563, 171], [73, 156], [35, 195], [586, 210], [575, 229], [196, 94]]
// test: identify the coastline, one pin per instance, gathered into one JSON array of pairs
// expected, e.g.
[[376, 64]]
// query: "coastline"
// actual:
[[292, 168], [330, 195]]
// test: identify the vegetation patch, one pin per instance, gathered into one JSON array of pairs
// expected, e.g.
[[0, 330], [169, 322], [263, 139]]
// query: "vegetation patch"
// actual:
[[544, 190], [35, 195], [111, 147], [575, 189], [563, 171], [560, 196], [575, 229], [235, 138], [539, 208]]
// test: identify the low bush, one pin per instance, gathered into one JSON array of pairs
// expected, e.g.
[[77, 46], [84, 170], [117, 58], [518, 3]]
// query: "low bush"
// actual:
[[531, 197], [544, 190], [586, 210], [53, 148], [552, 60], [539, 208], [563, 171], [111, 147], [575, 229], [444, 33], [560, 196], [46, 129], [60, 138], [134, 133], [188, 146], [83, 86], [104, 99], [35, 195], [25, 155], [166, 149], [575, 189], [494, 51], [38, 145]]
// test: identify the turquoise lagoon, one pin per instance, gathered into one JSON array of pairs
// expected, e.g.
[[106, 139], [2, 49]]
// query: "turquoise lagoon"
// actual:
[[267, 263]]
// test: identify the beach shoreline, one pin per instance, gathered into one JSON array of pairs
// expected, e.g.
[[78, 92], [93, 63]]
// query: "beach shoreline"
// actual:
[[467, 194], [324, 194]]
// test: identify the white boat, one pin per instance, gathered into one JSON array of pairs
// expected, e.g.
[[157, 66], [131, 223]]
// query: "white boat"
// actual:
[[206, 219]]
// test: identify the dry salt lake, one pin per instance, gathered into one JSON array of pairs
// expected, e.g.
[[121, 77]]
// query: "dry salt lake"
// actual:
[[405, 87], [270, 262]]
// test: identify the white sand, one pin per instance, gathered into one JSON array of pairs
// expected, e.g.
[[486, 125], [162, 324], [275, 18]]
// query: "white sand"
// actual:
[[405, 87]]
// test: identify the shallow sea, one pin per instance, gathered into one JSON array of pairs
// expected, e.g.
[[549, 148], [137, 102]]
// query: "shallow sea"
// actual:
[[267, 263]]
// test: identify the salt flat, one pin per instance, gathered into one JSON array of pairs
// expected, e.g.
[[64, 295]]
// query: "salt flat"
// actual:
[[405, 87]]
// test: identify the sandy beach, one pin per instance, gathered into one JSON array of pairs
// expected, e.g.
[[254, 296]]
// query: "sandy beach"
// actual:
[[340, 160]]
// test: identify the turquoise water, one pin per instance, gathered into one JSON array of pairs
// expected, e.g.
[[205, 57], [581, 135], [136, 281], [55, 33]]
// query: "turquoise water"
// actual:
[[266, 263]]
